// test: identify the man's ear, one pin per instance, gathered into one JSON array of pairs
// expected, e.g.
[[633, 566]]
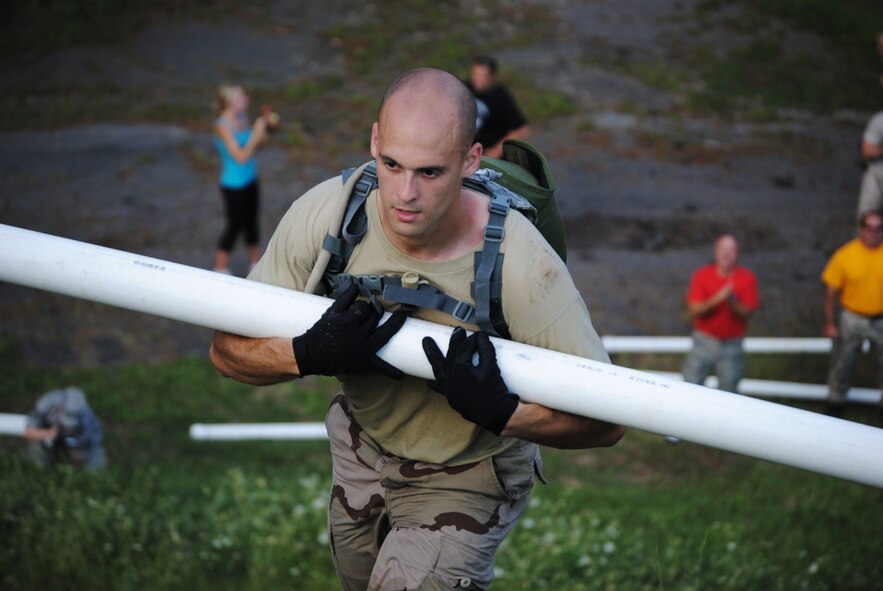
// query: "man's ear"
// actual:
[[375, 149], [472, 161]]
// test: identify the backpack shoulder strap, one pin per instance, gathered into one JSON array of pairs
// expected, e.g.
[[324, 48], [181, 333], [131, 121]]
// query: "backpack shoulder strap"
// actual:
[[487, 287], [351, 225], [353, 228], [351, 177]]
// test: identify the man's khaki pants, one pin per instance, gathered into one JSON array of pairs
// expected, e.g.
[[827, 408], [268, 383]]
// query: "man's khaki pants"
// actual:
[[854, 329], [398, 524]]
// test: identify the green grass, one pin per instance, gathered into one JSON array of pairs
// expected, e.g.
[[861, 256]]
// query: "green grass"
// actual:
[[171, 513], [36, 28], [767, 68], [424, 33], [771, 70], [765, 71]]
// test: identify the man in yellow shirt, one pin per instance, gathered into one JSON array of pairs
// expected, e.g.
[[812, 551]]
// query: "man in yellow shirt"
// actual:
[[854, 276]]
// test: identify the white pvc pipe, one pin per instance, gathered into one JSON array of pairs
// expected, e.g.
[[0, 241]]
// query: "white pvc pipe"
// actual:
[[244, 431], [316, 431], [12, 424], [637, 399], [622, 344], [796, 390]]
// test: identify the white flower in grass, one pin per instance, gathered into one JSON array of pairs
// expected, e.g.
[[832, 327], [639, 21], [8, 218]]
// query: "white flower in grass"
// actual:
[[499, 572], [813, 568], [584, 560], [528, 523], [308, 482], [322, 538], [609, 547], [731, 546], [221, 542]]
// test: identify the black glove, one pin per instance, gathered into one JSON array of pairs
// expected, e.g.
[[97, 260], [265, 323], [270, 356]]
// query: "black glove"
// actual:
[[346, 339], [477, 392]]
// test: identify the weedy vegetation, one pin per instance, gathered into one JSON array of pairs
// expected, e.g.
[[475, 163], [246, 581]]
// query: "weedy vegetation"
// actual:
[[172, 513]]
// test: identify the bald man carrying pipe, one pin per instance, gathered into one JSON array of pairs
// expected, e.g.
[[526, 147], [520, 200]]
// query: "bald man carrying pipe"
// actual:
[[428, 477]]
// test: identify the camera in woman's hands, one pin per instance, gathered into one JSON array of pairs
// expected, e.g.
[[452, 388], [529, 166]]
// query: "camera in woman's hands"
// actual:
[[272, 118]]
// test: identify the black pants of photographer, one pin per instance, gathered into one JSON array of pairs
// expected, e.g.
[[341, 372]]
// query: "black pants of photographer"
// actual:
[[241, 207]]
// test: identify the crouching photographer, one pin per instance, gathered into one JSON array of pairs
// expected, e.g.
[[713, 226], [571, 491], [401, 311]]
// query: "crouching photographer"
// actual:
[[62, 429]]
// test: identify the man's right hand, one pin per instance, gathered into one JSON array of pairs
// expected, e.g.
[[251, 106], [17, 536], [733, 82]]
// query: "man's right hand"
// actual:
[[346, 339], [724, 293]]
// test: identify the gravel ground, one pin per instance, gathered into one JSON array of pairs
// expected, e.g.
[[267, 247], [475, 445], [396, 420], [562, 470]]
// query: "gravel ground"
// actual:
[[643, 196]]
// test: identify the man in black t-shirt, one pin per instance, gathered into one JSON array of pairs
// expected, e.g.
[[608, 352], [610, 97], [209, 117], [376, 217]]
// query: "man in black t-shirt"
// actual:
[[499, 117]]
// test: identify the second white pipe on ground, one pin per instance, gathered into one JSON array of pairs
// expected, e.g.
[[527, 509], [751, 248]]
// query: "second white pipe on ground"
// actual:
[[11, 424], [246, 431]]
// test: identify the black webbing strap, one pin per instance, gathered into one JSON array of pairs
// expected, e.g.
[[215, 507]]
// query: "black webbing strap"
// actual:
[[419, 295]]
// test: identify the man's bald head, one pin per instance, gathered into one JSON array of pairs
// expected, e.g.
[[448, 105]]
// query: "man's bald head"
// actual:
[[435, 91], [726, 252]]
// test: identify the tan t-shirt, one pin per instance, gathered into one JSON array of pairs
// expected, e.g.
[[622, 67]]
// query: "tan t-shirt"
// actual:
[[540, 304]]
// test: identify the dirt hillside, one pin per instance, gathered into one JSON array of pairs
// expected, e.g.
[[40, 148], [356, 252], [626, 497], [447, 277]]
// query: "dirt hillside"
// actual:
[[643, 192]]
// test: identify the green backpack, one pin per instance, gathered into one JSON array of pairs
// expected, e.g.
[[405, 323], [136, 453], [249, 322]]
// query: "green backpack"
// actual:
[[521, 180], [526, 173]]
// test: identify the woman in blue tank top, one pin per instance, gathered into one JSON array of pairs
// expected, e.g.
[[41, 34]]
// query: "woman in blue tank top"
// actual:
[[237, 142]]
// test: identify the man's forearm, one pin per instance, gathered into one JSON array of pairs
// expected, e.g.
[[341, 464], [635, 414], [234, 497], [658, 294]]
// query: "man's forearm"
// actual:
[[543, 425], [870, 151], [696, 309], [829, 308], [741, 309], [496, 151], [38, 434], [254, 361]]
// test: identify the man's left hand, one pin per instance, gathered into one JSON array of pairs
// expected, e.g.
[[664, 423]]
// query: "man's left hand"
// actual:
[[477, 392]]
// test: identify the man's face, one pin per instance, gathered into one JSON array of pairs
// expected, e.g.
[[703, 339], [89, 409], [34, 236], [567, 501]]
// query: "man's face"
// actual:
[[420, 167], [726, 253], [871, 231], [482, 78]]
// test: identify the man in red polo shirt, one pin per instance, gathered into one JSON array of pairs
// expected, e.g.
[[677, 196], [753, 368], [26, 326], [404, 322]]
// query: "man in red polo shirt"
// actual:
[[721, 298]]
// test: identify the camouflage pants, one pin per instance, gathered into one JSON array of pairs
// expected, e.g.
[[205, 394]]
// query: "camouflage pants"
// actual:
[[854, 329], [726, 358], [398, 524]]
